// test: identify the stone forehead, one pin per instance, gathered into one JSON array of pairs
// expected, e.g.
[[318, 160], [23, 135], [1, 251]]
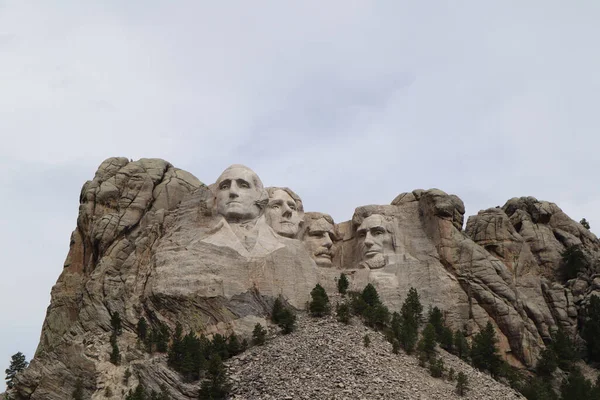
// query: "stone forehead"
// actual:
[[372, 221], [274, 189], [235, 169], [320, 224]]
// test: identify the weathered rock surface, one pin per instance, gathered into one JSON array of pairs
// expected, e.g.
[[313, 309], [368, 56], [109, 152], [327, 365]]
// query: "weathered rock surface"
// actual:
[[153, 241], [324, 359]]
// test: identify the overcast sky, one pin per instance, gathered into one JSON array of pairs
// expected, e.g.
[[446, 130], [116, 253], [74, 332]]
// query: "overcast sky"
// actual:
[[346, 102]]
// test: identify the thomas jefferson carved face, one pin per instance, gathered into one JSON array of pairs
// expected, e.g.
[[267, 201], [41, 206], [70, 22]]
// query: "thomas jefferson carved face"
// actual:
[[239, 192], [318, 239], [283, 214], [375, 240]]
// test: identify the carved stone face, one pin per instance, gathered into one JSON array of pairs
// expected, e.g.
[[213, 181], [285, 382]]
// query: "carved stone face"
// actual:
[[282, 214], [318, 240], [237, 194], [374, 240]]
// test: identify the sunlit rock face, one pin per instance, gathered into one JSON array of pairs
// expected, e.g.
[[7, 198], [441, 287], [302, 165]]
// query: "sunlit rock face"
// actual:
[[153, 241]]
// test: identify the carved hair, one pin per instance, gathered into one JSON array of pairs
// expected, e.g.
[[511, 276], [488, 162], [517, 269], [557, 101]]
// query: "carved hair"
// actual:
[[311, 217], [263, 199], [291, 193]]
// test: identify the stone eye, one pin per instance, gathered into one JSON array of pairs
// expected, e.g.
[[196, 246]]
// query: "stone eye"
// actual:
[[244, 185], [224, 185]]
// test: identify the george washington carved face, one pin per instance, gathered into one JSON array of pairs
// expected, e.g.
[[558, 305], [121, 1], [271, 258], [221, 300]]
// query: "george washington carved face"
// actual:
[[284, 212], [240, 194]]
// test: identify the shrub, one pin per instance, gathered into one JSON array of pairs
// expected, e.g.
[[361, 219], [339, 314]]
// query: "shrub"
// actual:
[[319, 305], [342, 284], [462, 384], [343, 313], [484, 353], [436, 367], [584, 223], [259, 335], [366, 340], [573, 261]]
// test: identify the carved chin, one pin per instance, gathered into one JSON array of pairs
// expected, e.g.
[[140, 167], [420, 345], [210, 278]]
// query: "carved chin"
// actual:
[[375, 262], [323, 261], [287, 230]]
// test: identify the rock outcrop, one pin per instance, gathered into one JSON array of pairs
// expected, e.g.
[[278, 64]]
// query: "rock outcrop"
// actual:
[[153, 241]]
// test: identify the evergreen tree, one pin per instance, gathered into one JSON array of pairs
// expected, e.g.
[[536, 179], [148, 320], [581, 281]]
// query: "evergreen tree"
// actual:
[[585, 224], [395, 346], [447, 339], [539, 388], [219, 344], [276, 310], [319, 305], [426, 346], [115, 323], [366, 340], [287, 321], [576, 386], [564, 348], [412, 305], [233, 345], [484, 353], [142, 329], [259, 335], [573, 261], [411, 314], [160, 337], [176, 351], [461, 345], [138, 394], [370, 295], [436, 319], [78, 391], [377, 316], [591, 328], [436, 367], [115, 354], [343, 313], [216, 385], [462, 384], [396, 325], [547, 363], [18, 363], [342, 284]]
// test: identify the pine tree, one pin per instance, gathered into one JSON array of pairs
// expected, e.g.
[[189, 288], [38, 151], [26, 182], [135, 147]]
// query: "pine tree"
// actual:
[[319, 305], [547, 363], [366, 340], [436, 367], [447, 339], [343, 284], [484, 353], [18, 363], [573, 261], [115, 322], [576, 386], [585, 224], [461, 345], [539, 388], [564, 348], [216, 386], [411, 314], [259, 335], [426, 345], [591, 328], [343, 313], [436, 319], [78, 391], [233, 345], [142, 329], [370, 295], [462, 384], [276, 310], [287, 321]]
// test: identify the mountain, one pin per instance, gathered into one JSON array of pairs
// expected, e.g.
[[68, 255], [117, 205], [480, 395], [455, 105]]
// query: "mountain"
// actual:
[[154, 242]]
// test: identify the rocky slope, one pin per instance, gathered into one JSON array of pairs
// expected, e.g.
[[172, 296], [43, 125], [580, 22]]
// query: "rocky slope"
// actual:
[[150, 243], [324, 359]]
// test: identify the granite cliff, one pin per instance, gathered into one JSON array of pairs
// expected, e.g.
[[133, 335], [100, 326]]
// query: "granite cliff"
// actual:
[[153, 241]]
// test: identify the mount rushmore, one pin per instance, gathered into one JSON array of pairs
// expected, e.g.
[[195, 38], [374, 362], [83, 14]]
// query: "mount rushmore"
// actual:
[[153, 241]]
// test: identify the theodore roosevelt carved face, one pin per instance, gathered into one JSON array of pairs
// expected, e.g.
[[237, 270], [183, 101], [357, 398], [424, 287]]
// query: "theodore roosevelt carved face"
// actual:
[[318, 236], [240, 195], [375, 240], [284, 211]]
